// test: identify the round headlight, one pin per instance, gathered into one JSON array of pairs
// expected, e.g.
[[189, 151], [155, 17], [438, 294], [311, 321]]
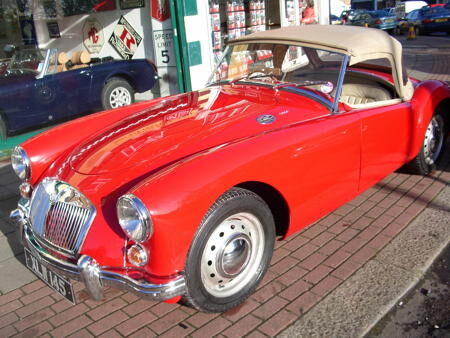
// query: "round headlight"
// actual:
[[21, 163], [134, 218]]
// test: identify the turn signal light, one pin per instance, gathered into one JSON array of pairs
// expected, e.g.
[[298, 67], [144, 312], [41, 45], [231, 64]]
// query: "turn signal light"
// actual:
[[25, 190], [137, 255]]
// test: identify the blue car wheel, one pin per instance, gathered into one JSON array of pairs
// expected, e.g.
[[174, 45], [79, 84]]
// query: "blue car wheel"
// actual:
[[116, 93]]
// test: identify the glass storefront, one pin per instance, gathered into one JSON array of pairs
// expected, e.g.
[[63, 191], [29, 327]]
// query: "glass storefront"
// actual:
[[61, 59], [232, 19]]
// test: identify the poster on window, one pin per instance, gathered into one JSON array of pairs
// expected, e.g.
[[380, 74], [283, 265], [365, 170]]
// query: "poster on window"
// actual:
[[125, 40], [93, 39], [128, 4], [53, 29], [27, 29], [50, 8], [75, 7], [160, 10]]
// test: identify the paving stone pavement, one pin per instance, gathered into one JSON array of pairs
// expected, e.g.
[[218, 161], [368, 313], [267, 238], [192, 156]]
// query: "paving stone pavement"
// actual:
[[308, 269]]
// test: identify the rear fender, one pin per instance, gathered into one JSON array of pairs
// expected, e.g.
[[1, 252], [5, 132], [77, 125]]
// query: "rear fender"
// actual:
[[428, 95]]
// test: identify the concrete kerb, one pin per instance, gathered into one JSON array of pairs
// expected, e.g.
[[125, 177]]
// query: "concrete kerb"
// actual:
[[353, 308]]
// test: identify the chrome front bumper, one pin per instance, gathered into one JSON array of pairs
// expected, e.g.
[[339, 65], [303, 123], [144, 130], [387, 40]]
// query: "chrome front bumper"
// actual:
[[93, 276]]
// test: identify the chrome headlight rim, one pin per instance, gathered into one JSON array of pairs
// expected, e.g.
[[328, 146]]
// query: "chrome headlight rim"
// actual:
[[23, 173], [146, 225]]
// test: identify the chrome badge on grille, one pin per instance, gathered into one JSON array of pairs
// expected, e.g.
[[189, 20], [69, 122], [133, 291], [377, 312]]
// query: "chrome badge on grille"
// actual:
[[60, 216]]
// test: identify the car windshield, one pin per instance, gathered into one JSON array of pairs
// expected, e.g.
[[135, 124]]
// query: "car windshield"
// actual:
[[30, 60], [279, 65]]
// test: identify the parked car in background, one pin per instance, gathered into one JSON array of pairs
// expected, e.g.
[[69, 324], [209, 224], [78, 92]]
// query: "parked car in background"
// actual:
[[183, 196], [36, 91], [402, 8], [376, 19], [428, 20], [335, 20], [349, 14]]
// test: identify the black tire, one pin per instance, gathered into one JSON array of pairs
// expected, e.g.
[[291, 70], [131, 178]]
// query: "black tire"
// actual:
[[230, 253], [432, 147], [117, 92]]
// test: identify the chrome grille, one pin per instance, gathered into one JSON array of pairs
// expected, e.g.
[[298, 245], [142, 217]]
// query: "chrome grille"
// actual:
[[64, 223], [57, 218]]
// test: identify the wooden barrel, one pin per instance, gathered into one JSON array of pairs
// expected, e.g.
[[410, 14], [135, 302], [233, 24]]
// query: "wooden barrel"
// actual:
[[81, 57], [62, 58], [61, 68]]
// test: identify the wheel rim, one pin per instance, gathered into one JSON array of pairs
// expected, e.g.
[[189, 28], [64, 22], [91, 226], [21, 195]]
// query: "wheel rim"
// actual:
[[434, 139], [232, 255], [119, 97]]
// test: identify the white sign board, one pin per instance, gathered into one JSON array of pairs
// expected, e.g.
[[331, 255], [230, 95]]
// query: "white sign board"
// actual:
[[125, 39], [164, 52], [93, 38]]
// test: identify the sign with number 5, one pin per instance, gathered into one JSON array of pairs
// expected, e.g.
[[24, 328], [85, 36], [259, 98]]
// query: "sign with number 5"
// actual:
[[164, 54]]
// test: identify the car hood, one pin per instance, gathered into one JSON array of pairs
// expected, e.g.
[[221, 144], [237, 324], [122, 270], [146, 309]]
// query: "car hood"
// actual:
[[181, 126]]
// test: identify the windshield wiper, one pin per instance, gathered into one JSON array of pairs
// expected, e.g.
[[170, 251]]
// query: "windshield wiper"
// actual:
[[252, 75], [305, 83]]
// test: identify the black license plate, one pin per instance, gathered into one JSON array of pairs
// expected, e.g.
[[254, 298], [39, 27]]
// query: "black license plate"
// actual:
[[52, 279]]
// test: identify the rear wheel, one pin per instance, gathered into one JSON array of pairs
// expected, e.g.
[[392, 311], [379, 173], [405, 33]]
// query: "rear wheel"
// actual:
[[230, 252], [116, 93], [432, 147]]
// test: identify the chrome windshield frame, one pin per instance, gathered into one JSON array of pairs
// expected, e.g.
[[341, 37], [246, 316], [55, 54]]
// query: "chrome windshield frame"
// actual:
[[216, 68], [337, 95]]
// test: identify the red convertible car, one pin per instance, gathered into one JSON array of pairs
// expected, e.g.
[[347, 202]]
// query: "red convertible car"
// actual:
[[183, 197]]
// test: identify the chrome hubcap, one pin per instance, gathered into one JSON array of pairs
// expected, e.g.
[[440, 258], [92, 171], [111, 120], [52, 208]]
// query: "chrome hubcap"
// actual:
[[119, 97], [232, 255], [434, 139]]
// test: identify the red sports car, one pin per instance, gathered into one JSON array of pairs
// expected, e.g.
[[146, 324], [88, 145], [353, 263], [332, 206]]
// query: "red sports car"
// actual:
[[183, 197]]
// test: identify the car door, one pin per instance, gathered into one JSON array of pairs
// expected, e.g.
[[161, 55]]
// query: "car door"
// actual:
[[17, 102], [68, 92], [385, 135], [326, 165]]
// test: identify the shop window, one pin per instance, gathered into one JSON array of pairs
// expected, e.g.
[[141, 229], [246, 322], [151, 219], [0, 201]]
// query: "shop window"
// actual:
[[232, 19], [75, 7]]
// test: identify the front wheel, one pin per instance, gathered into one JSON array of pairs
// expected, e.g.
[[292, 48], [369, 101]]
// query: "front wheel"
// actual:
[[116, 93], [230, 253], [432, 147]]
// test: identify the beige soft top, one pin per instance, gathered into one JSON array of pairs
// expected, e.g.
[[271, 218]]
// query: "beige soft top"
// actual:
[[359, 43]]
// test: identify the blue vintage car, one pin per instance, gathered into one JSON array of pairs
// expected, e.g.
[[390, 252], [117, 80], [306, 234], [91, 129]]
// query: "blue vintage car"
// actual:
[[36, 91]]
